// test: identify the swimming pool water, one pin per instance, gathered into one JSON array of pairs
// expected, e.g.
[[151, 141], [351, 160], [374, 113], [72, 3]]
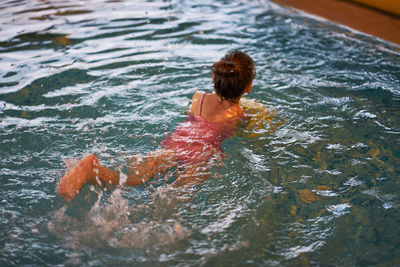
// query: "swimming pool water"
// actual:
[[113, 77]]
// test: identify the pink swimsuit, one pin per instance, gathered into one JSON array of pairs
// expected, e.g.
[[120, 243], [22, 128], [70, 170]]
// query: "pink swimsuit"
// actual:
[[196, 139]]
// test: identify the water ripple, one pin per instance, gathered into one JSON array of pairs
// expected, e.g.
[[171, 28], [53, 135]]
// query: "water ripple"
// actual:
[[113, 77]]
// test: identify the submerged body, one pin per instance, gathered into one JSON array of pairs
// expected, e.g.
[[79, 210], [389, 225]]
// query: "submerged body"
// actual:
[[211, 119], [197, 139]]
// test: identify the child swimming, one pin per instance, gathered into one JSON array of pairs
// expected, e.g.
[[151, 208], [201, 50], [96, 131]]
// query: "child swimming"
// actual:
[[212, 118]]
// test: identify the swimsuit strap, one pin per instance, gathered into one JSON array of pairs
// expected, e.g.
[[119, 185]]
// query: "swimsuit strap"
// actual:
[[201, 102]]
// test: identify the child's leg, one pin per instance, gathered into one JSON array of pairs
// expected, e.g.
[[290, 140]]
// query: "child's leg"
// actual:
[[193, 175], [190, 181], [87, 170], [144, 168]]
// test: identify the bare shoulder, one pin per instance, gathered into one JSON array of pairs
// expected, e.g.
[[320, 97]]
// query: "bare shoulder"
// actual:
[[197, 95], [196, 101]]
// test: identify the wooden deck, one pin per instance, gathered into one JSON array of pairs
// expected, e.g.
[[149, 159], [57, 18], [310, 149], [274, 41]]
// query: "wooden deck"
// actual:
[[360, 17]]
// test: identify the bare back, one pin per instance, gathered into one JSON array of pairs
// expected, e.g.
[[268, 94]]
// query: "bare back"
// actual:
[[212, 108]]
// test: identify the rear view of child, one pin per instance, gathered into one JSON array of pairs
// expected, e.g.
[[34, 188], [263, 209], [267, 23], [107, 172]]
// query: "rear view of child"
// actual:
[[212, 118]]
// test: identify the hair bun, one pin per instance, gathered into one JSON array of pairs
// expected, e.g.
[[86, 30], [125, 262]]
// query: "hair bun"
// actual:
[[229, 63], [225, 69], [232, 74]]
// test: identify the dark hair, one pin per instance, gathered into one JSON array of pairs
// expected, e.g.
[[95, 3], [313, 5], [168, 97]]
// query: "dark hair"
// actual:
[[232, 74]]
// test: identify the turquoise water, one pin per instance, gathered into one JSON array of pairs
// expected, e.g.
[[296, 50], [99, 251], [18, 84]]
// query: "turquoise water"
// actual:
[[113, 77]]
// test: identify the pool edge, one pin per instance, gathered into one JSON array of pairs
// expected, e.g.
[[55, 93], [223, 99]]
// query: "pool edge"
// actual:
[[356, 16]]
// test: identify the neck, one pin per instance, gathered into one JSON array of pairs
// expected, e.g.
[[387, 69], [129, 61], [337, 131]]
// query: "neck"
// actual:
[[230, 102]]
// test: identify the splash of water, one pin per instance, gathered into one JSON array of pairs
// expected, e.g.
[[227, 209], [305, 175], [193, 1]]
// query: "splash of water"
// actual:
[[120, 224]]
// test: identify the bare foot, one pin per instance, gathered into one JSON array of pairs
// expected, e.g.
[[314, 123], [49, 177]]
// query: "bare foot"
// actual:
[[73, 180]]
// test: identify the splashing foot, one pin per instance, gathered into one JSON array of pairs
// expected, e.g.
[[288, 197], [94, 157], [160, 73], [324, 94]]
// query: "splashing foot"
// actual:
[[73, 180]]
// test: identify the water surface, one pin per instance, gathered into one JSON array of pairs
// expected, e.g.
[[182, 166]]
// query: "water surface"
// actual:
[[113, 77]]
